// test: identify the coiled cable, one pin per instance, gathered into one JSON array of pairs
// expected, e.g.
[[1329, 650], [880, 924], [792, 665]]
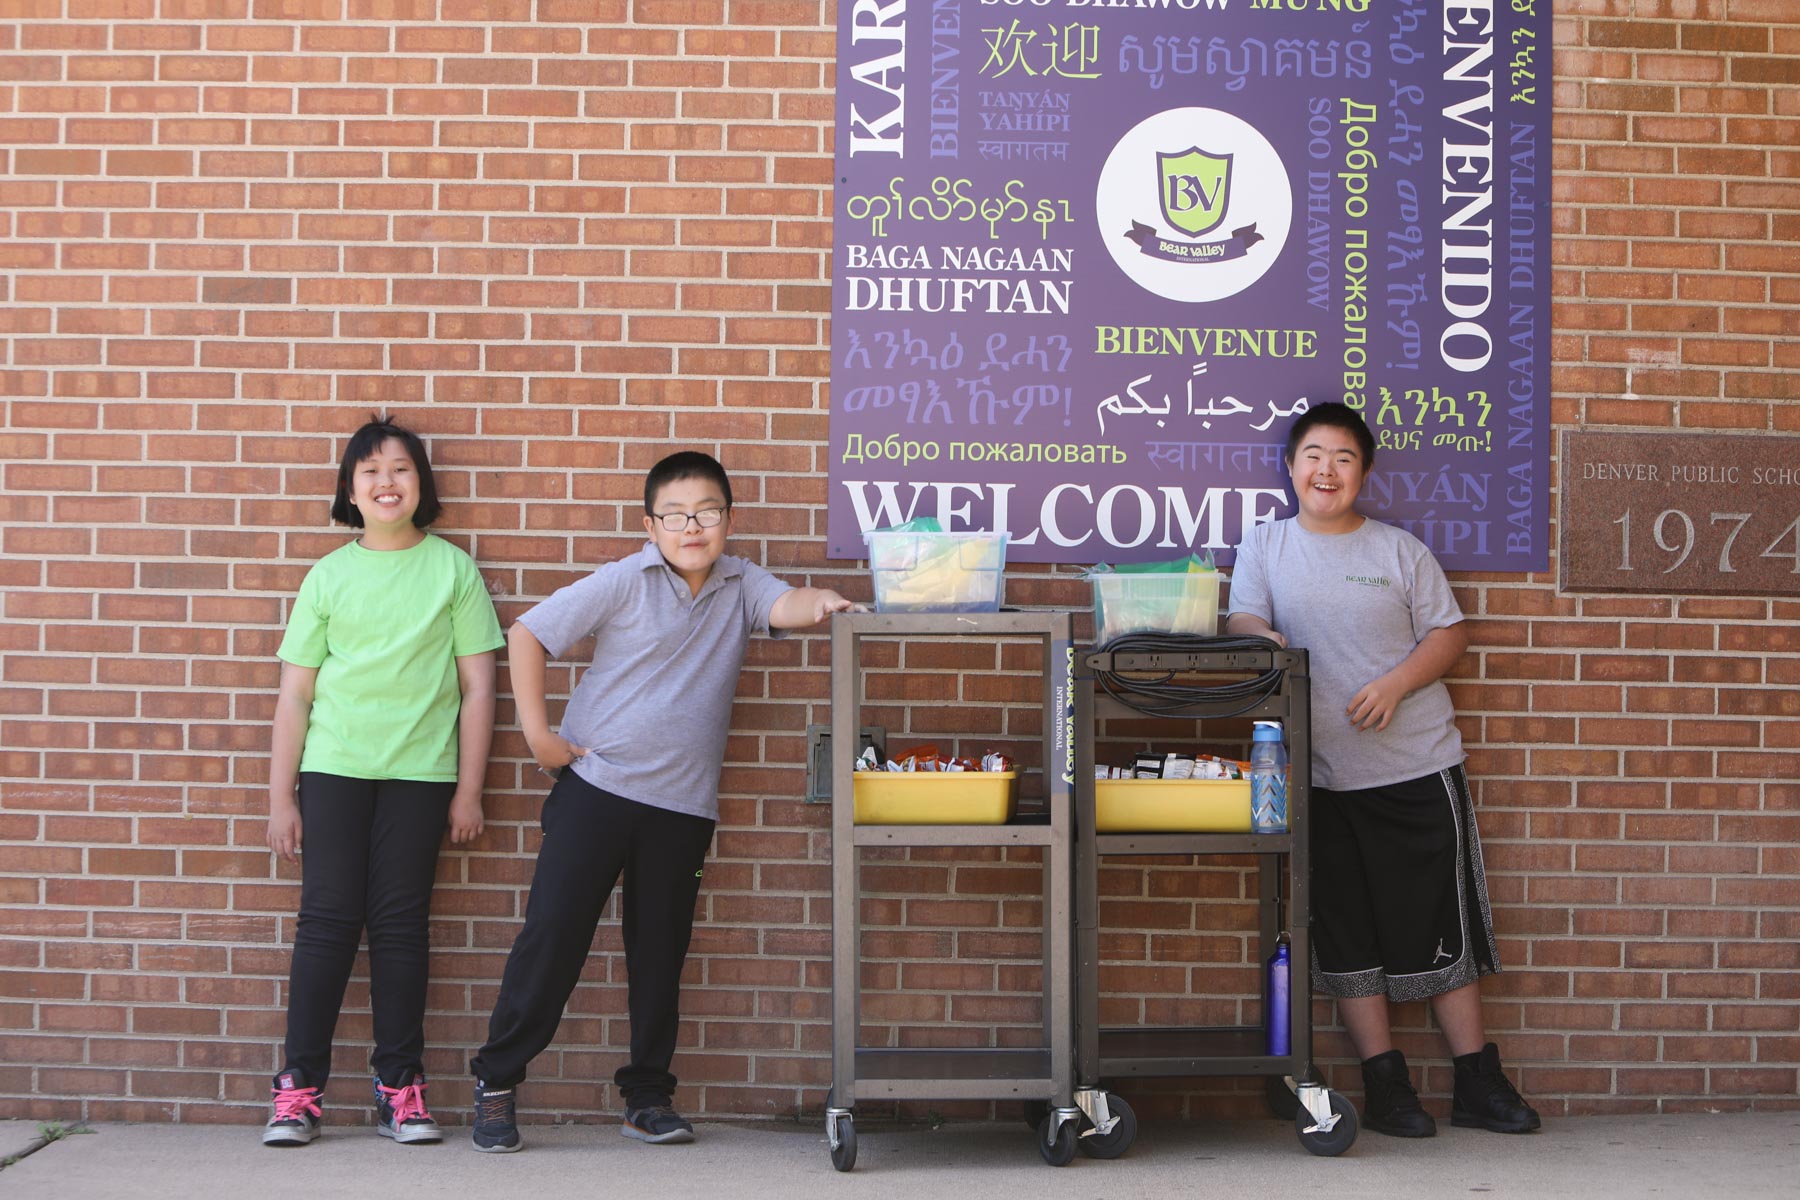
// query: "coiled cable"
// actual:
[[1160, 697]]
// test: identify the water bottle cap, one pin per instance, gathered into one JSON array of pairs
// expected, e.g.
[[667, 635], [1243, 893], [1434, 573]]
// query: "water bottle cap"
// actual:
[[1267, 731]]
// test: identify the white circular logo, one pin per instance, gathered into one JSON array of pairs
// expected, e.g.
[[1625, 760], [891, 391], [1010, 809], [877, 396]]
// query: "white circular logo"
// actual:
[[1194, 204]]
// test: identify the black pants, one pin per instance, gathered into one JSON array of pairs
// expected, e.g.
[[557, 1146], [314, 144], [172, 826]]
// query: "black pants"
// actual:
[[370, 853], [590, 837], [1402, 904]]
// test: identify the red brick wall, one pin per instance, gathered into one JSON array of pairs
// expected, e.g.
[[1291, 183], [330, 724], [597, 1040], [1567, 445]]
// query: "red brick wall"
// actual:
[[560, 238]]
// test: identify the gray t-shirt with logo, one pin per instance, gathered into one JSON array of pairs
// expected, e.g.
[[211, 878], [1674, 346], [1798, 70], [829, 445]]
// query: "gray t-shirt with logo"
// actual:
[[654, 707], [1359, 603]]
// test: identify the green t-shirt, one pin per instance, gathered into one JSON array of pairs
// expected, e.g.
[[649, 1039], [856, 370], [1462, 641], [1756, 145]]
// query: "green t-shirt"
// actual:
[[385, 628]]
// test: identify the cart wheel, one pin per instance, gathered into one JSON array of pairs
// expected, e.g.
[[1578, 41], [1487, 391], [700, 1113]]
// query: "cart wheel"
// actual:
[[1035, 1112], [1118, 1141], [843, 1155], [1329, 1144], [1061, 1152]]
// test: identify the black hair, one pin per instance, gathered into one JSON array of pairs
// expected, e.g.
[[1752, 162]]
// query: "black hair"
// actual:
[[1340, 416], [684, 464], [364, 443]]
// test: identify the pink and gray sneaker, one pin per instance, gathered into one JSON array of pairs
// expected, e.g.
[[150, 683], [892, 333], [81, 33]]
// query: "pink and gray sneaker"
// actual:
[[295, 1121], [400, 1111]]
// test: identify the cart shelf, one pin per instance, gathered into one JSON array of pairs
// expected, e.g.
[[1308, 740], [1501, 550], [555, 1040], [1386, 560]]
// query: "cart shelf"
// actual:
[[953, 1074], [951, 835], [1222, 1050]]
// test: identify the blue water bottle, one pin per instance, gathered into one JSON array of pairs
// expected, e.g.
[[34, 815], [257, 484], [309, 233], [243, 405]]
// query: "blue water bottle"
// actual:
[[1268, 779], [1275, 1012]]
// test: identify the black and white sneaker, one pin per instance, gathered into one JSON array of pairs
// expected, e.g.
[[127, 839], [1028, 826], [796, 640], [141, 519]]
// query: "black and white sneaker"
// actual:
[[295, 1121], [496, 1123], [400, 1111], [657, 1124]]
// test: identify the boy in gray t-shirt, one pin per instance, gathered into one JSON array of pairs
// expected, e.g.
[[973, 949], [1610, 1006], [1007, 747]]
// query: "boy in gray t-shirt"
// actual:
[[639, 751], [1396, 858]]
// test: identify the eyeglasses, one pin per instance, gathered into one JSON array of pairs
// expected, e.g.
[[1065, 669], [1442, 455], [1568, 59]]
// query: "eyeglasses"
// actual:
[[677, 522]]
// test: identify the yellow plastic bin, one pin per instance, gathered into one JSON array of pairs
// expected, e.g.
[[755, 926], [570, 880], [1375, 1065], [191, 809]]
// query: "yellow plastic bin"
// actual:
[[1172, 805], [935, 798]]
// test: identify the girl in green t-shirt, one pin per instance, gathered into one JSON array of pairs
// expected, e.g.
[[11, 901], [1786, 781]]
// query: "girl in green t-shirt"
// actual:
[[380, 741]]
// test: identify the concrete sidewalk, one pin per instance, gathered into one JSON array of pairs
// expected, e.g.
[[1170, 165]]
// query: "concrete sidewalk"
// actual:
[[1698, 1155]]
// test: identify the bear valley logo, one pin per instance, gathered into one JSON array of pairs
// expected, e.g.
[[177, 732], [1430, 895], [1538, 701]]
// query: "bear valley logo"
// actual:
[[1213, 173], [1192, 185]]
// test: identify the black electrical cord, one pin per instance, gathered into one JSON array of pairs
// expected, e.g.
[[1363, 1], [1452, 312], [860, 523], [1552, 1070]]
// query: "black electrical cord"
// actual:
[[1159, 697]]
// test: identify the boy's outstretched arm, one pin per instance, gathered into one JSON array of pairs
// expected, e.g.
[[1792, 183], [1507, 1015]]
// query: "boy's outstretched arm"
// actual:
[[1374, 704], [525, 659], [798, 608]]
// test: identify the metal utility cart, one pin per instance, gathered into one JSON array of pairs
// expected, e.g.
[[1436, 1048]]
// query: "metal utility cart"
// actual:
[[1104, 686], [1042, 1073]]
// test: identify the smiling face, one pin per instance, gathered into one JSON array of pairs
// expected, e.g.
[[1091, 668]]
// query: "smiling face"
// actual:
[[691, 551], [1328, 471], [384, 487]]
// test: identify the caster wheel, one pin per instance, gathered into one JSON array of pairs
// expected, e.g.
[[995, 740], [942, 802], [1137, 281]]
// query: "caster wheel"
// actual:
[[1035, 1112], [843, 1155], [1061, 1152], [1119, 1139], [1339, 1138]]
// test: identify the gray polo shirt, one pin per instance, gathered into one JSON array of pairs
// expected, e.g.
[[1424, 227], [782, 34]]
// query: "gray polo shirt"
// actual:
[[654, 707], [1359, 603]]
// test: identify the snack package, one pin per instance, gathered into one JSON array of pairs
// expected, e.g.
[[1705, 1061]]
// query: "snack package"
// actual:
[[919, 758], [927, 758]]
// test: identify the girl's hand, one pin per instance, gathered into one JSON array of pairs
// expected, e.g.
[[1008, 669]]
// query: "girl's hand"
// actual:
[[466, 821], [553, 751], [284, 831]]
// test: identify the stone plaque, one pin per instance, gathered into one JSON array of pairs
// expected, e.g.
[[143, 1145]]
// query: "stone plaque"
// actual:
[[1717, 514]]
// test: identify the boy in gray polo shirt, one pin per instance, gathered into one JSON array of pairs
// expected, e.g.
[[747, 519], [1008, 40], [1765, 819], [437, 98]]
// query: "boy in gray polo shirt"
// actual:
[[643, 739], [1396, 858]]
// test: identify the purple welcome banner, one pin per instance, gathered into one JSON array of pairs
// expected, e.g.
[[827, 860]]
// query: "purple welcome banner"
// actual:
[[1092, 257]]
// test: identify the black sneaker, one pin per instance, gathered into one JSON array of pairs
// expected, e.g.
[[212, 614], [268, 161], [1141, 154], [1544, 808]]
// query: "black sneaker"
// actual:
[[1484, 1098], [656, 1123], [496, 1125], [295, 1121], [400, 1111], [1390, 1103]]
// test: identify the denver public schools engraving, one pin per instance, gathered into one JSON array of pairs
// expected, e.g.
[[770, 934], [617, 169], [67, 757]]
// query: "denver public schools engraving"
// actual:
[[1717, 514]]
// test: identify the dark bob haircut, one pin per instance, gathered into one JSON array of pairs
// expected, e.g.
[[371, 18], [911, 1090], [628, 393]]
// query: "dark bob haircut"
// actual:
[[1342, 416], [363, 444], [685, 464]]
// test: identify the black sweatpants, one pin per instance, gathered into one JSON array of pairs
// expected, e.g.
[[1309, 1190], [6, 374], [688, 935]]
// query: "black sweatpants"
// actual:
[[370, 854], [590, 837]]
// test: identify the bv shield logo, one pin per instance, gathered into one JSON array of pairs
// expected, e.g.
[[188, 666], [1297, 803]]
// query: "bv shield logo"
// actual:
[[1193, 188], [1223, 205]]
